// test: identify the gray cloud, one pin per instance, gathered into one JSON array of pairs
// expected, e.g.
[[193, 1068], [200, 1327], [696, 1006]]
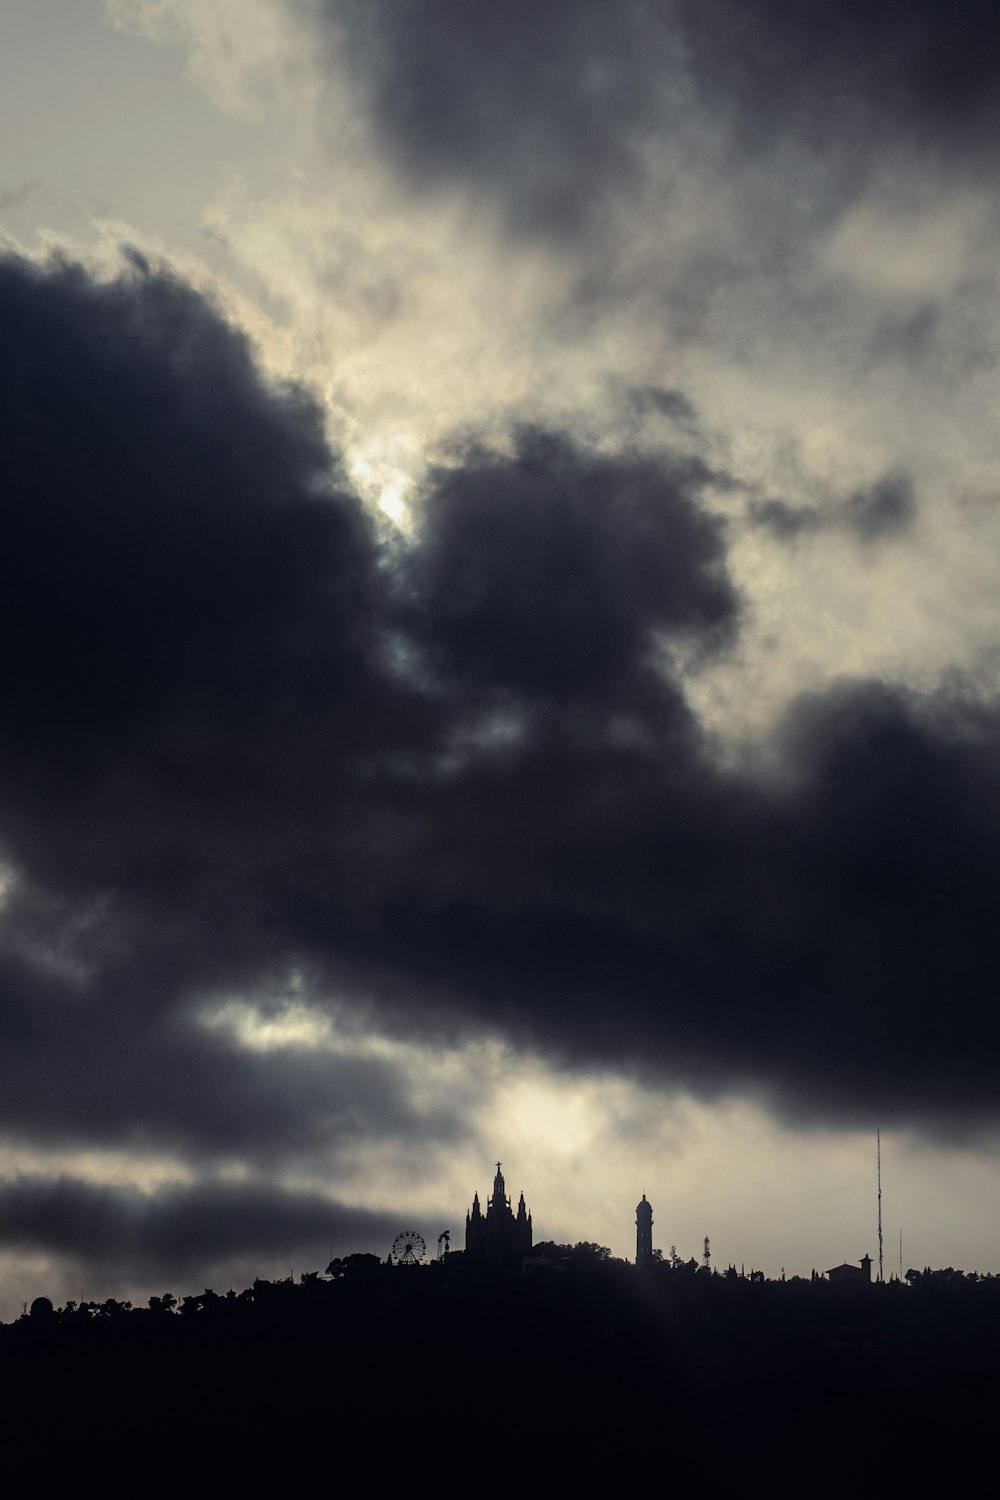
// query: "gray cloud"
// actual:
[[551, 572], [107, 1063], [556, 108], [455, 777], [178, 1231], [545, 104], [664, 402], [854, 78], [883, 510]]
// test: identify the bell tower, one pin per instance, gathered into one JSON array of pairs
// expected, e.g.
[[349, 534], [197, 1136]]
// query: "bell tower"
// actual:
[[643, 1232]]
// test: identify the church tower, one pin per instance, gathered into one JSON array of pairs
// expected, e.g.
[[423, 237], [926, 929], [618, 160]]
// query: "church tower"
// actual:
[[499, 1236], [643, 1232]]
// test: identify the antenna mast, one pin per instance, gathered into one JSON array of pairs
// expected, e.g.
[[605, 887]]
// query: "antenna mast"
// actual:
[[878, 1172]]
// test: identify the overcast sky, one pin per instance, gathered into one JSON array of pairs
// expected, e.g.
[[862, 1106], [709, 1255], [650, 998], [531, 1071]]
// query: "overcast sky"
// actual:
[[502, 649]]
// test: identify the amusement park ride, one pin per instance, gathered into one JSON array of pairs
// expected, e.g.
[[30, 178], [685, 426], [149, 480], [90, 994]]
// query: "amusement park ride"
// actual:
[[410, 1248]]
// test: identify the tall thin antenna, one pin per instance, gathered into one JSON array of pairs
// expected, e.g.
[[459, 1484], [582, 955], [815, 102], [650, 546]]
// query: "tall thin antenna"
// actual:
[[900, 1255], [878, 1170]]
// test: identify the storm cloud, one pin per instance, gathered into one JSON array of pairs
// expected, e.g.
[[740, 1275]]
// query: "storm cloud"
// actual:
[[453, 777], [518, 99], [558, 110], [549, 573], [177, 1231]]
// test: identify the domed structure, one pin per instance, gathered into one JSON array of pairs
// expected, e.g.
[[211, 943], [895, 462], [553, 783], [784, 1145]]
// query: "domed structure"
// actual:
[[41, 1308], [643, 1232]]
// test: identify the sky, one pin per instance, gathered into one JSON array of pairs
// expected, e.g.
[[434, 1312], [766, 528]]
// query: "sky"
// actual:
[[501, 645]]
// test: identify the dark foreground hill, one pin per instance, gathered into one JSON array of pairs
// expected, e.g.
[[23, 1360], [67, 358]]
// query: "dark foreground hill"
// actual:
[[445, 1377]]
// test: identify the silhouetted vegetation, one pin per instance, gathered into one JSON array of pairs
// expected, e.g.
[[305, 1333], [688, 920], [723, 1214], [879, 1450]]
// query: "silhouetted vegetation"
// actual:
[[582, 1350]]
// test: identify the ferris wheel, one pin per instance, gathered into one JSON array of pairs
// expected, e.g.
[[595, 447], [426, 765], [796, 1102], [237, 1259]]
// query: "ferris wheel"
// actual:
[[409, 1248]]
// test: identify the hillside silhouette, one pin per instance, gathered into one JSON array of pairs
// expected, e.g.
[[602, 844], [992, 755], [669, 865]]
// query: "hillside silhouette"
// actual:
[[584, 1365]]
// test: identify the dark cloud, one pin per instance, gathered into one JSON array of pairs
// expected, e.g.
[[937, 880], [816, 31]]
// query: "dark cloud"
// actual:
[[800, 937], [553, 110], [177, 550], [853, 75], [887, 508], [946, 339], [454, 780], [101, 1062], [551, 572], [787, 522], [883, 510], [193, 610], [232, 714], [191, 597], [665, 403], [180, 1230], [546, 103]]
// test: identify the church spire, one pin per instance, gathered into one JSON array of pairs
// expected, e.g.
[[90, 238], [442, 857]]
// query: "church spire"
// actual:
[[475, 1229], [499, 1235]]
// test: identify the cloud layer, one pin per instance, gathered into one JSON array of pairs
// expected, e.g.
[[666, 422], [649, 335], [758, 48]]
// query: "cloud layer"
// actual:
[[556, 108], [454, 776], [177, 1232]]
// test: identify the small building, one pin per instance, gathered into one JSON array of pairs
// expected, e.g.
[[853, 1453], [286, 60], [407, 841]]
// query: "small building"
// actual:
[[848, 1275]]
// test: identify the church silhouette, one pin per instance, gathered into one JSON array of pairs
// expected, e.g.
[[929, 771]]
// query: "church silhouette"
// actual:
[[499, 1234]]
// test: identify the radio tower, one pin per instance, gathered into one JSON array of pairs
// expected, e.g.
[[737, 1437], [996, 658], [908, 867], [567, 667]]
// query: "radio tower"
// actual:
[[878, 1174]]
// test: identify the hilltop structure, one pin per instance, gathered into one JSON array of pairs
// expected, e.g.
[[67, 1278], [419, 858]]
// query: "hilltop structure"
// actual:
[[499, 1234], [848, 1275], [643, 1232]]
